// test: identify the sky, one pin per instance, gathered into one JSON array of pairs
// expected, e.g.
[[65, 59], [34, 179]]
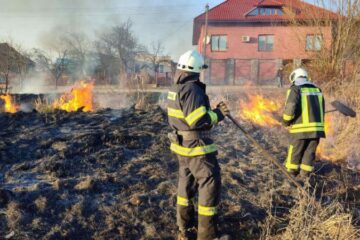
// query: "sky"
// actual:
[[26, 22]]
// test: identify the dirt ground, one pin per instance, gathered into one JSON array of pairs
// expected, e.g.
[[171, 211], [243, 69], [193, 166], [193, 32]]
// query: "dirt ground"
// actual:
[[110, 175]]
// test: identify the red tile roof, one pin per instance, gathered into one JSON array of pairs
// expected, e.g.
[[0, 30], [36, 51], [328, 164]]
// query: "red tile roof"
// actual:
[[235, 11], [269, 3]]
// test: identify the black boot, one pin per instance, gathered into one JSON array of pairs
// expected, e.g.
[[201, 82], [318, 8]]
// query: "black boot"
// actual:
[[293, 173], [223, 237]]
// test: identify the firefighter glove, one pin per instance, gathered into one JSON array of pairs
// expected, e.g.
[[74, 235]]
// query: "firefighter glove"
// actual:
[[223, 108], [286, 123]]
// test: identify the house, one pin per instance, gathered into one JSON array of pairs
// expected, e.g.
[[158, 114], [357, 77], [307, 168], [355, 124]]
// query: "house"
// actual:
[[249, 40], [13, 67], [154, 69]]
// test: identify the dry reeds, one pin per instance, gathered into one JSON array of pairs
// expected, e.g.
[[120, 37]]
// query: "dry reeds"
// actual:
[[311, 220], [43, 106]]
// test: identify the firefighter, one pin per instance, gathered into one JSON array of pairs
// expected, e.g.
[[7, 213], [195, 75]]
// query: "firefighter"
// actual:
[[304, 117], [191, 119]]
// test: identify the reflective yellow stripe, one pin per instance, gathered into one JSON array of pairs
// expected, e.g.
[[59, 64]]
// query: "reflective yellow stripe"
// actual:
[[310, 90], [177, 113], [301, 125], [171, 96], [311, 93], [308, 129], [182, 201], [321, 108], [287, 117], [213, 117], [304, 109], [195, 115], [287, 94], [192, 152], [307, 168], [288, 164], [207, 211]]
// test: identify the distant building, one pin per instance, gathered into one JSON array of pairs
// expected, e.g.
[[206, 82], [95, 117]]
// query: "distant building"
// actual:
[[13, 66], [249, 40], [156, 69]]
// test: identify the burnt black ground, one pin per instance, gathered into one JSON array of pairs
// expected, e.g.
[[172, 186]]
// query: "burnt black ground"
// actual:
[[110, 175]]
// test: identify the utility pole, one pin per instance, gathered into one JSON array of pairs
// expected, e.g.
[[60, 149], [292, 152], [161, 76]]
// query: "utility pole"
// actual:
[[205, 39], [206, 30]]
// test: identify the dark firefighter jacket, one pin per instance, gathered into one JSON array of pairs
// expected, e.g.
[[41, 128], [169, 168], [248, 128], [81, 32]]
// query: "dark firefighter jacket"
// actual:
[[189, 110], [304, 110]]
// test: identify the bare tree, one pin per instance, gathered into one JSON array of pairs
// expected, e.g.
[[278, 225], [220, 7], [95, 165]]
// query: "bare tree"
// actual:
[[78, 48], [328, 62], [108, 65], [154, 57], [56, 67], [121, 43]]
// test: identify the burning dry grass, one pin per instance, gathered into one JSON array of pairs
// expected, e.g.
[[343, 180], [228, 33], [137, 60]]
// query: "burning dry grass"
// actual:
[[9, 105], [260, 111], [80, 97]]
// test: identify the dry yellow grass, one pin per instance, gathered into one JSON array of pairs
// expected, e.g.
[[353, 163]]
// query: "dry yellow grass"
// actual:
[[13, 215], [311, 220], [85, 184], [43, 106], [41, 203]]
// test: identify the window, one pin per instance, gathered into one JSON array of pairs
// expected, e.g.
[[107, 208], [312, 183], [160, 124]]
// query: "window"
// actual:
[[219, 43], [266, 43], [262, 11], [266, 11], [313, 42], [161, 68]]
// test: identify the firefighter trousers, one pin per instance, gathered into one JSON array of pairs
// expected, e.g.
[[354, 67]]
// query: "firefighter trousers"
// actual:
[[199, 175], [301, 155]]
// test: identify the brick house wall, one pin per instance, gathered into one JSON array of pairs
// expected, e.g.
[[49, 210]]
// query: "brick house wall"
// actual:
[[243, 21], [289, 41]]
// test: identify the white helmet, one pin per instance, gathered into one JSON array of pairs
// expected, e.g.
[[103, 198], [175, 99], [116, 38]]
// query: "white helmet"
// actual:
[[191, 61], [299, 72]]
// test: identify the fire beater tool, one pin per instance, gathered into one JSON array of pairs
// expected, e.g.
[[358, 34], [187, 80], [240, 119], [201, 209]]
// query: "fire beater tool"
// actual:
[[267, 155], [342, 108]]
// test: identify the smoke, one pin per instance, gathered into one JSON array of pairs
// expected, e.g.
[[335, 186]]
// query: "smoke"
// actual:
[[36, 84], [167, 21]]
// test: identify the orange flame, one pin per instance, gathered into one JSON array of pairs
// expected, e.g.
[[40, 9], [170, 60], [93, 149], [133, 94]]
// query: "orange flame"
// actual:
[[321, 151], [9, 106], [80, 96], [260, 111]]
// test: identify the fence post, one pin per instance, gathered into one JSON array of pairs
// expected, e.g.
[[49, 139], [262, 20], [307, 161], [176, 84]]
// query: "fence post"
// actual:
[[255, 70], [229, 75]]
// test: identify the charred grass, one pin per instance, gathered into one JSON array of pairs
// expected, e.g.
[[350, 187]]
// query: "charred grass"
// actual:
[[110, 175]]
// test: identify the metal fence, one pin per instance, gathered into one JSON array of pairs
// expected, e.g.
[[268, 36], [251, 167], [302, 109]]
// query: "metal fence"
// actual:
[[242, 71]]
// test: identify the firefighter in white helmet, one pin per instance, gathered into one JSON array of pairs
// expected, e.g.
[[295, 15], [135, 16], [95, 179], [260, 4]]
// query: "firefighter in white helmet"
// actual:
[[304, 115], [191, 118]]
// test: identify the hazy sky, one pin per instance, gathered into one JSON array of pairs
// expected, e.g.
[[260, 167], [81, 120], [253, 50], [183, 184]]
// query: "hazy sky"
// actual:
[[27, 21]]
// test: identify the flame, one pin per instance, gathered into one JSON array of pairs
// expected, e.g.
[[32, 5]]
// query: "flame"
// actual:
[[80, 96], [9, 106], [322, 152], [260, 111]]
